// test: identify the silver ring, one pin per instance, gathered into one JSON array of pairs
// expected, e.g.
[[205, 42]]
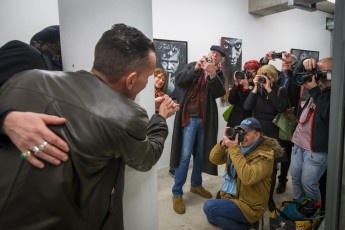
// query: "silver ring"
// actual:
[[43, 146], [34, 150]]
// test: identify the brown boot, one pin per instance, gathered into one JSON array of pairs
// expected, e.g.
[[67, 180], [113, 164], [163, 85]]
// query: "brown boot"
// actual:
[[178, 204], [201, 191]]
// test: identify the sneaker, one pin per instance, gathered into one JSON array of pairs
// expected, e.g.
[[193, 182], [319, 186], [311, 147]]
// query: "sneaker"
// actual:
[[201, 191], [281, 188], [178, 204], [172, 173]]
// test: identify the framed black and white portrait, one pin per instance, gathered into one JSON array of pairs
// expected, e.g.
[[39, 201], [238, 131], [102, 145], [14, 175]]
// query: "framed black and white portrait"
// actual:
[[232, 60], [302, 54], [172, 57]]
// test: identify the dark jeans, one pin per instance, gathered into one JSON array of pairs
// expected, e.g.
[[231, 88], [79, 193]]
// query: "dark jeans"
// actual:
[[285, 165], [323, 183], [225, 214], [273, 182]]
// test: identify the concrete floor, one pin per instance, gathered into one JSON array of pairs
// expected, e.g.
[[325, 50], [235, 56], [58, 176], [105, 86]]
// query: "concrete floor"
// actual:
[[194, 218]]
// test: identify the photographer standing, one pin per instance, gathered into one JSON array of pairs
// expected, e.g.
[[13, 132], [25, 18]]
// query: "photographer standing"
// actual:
[[243, 84], [249, 159], [285, 80], [196, 124], [309, 154]]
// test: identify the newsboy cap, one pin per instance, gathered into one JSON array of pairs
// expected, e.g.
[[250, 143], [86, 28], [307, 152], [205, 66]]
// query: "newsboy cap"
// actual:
[[218, 49], [48, 34]]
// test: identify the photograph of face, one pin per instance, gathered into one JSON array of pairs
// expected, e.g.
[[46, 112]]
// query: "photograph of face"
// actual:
[[172, 57], [303, 54], [233, 47], [232, 60]]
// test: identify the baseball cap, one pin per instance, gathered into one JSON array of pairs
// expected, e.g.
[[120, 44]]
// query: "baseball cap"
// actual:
[[218, 49], [249, 124]]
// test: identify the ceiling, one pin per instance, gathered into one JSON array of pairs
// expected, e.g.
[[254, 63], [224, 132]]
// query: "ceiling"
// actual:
[[267, 7], [326, 6]]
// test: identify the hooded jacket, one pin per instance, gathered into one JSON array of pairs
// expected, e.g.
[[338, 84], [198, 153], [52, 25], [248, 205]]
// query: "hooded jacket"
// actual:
[[105, 130], [254, 172]]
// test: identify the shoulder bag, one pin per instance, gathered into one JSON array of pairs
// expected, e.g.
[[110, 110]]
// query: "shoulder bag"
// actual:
[[286, 122]]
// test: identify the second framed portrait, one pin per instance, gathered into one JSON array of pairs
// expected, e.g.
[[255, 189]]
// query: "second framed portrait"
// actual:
[[171, 57], [232, 61], [302, 54]]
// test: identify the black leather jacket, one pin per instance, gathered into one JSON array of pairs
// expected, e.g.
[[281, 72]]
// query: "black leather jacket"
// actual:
[[105, 130]]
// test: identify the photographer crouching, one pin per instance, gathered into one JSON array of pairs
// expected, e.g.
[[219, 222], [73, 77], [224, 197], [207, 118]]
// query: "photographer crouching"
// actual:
[[309, 154], [249, 159]]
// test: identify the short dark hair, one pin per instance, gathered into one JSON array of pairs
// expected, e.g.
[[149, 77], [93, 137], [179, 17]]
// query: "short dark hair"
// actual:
[[120, 50]]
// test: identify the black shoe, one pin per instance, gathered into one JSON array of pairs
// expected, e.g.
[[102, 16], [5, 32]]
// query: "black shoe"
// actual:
[[271, 206], [254, 226], [281, 188], [172, 173]]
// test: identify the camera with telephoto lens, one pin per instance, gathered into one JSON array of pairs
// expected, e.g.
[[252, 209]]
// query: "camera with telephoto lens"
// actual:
[[303, 77], [231, 133], [262, 79], [277, 55]]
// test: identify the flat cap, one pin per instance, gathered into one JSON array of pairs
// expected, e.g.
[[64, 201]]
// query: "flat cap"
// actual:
[[218, 49]]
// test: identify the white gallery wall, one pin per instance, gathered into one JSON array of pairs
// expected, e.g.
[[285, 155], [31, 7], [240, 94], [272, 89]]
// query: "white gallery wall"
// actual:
[[202, 23], [21, 19]]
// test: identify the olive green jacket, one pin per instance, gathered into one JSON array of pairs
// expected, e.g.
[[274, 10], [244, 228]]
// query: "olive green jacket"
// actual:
[[253, 175]]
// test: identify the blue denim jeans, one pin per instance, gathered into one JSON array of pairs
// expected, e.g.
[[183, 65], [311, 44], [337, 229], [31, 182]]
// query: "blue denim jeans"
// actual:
[[307, 168], [189, 134], [225, 214]]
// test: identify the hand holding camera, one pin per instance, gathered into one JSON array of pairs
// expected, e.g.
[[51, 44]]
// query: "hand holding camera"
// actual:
[[277, 55], [272, 55], [263, 81], [208, 59], [313, 75], [233, 136], [209, 65], [310, 83], [309, 64]]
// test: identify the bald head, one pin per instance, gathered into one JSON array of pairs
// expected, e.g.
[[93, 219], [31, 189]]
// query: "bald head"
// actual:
[[325, 64]]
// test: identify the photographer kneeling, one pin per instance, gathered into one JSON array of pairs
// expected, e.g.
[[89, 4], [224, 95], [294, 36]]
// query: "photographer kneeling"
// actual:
[[249, 159]]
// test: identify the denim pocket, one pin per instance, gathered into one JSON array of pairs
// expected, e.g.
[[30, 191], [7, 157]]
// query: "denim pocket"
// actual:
[[316, 159]]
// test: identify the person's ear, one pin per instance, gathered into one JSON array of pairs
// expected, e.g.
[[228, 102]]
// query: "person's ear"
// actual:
[[257, 134], [131, 79]]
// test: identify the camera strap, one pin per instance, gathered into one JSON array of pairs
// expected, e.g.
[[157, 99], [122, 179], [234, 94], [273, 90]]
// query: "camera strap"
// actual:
[[310, 112]]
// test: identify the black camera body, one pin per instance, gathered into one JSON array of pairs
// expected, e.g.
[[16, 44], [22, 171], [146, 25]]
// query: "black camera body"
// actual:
[[262, 80], [303, 77], [231, 133], [240, 75], [208, 59], [277, 55]]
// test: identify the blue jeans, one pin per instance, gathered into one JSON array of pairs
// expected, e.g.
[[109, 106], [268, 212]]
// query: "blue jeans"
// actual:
[[189, 134], [307, 168], [225, 214]]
